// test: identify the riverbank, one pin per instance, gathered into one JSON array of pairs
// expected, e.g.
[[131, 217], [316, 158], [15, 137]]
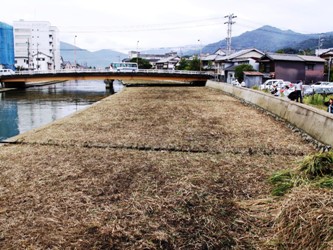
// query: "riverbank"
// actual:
[[148, 168], [31, 84], [6, 89]]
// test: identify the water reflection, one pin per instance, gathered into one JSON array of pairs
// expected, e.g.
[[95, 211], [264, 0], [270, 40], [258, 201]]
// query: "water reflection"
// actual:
[[24, 110]]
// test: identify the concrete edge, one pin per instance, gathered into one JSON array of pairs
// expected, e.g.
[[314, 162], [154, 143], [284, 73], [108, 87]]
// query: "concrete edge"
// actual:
[[316, 123]]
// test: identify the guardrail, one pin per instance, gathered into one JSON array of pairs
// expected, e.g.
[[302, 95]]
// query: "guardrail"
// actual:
[[158, 71]]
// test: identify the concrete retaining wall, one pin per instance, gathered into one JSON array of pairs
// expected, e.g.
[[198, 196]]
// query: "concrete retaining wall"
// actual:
[[316, 123]]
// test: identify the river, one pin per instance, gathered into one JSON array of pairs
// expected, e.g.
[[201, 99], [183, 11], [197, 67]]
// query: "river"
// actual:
[[23, 110]]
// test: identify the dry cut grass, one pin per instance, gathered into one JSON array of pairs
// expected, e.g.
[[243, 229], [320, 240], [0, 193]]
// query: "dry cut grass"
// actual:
[[149, 168], [305, 220]]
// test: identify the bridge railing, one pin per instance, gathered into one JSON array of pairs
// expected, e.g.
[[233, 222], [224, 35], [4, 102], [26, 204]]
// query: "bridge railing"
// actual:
[[157, 71]]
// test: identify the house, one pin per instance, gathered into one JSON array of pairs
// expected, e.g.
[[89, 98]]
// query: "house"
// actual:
[[151, 58], [167, 63], [290, 67], [209, 63], [327, 54], [227, 64]]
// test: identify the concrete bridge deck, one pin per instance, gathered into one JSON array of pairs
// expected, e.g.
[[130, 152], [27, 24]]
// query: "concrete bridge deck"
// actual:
[[21, 78], [146, 168]]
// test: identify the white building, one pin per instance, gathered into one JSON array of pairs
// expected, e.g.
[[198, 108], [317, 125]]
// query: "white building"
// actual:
[[36, 45]]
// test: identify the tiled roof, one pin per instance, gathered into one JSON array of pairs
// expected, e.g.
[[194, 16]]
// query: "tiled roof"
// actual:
[[294, 57], [283, 57], [312, 58]]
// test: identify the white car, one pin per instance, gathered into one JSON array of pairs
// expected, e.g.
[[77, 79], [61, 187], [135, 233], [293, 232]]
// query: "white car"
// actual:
[[269, 84], [320, 87]]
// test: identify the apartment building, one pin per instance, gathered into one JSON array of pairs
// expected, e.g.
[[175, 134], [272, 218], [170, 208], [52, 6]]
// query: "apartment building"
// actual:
[[37, 45], [6, 46]]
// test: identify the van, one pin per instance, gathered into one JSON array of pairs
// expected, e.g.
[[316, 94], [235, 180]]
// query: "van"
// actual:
[[6, 72]]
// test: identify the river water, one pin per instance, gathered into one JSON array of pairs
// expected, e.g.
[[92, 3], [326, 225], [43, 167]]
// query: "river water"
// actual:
[[23, 110]]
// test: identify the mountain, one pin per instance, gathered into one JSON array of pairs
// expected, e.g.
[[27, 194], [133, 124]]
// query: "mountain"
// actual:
[[266, 38], [99, 59], [312, 44]]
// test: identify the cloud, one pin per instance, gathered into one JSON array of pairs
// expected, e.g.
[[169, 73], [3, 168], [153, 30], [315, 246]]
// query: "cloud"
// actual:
[[118, 25]]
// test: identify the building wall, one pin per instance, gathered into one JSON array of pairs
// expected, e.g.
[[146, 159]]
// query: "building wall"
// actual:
[[289, 70], [36, 45], [55, 47], [6, 46], [315, 74], [251, 81]]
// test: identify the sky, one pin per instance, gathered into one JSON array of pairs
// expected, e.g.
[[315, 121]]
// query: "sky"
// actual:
[[125, 25]]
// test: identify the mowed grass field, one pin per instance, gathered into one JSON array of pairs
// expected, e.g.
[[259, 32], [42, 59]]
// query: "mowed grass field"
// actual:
[[147, 168]]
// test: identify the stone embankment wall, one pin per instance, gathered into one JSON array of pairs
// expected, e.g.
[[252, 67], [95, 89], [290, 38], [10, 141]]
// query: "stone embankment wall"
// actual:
[[316, 123]]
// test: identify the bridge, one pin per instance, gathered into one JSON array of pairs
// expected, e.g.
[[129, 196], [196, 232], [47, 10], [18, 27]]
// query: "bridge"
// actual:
[[19, 79]]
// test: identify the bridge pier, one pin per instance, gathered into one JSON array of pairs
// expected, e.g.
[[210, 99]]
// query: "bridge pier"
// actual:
[[198, 83], [17, 85], [109, 85]]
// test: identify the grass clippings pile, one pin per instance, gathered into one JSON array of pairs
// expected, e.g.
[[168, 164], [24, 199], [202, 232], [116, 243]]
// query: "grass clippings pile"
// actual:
[[149, 168], [305, 220], [315, 169], [306, 213]]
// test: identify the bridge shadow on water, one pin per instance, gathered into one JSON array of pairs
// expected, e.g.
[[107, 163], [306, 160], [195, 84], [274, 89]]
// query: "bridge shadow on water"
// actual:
[[196, 84]]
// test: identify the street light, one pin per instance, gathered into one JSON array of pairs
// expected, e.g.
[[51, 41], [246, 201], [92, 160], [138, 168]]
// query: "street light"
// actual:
[[137, 52], [75, 50], [200, 50]]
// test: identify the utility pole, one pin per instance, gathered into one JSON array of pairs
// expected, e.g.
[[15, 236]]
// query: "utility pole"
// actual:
[[329, 69], [230, 22], [37, 59]]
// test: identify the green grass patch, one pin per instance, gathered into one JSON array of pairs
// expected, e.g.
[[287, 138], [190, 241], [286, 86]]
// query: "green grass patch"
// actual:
[[317, 100], [282, 182]]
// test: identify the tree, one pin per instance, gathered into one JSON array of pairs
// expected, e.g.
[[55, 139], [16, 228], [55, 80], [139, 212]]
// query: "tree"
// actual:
[[287, 51], [194, 64], [142, 63], [239, 71], [183, 64]]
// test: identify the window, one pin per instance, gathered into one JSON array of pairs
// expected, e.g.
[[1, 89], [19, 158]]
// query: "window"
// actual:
[[309, 67]]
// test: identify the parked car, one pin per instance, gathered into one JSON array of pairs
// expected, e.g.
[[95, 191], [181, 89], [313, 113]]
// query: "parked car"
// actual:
[[269, 84], [320, 87]]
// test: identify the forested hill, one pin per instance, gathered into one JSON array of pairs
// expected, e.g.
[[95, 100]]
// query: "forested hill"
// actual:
[[269, 38]]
